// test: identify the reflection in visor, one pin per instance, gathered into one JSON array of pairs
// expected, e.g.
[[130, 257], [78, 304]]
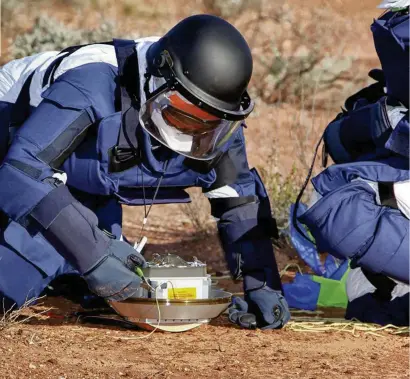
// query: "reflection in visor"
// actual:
[[186, 123], [184, 127], [179, 102]]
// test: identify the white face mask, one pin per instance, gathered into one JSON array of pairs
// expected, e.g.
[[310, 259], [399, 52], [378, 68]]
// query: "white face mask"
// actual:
[[172, 137]]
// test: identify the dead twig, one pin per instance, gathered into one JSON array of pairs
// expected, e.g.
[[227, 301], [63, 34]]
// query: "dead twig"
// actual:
[[16, 316]]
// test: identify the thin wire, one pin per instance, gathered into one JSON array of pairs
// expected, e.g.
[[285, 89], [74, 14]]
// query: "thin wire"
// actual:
[[159, 316], [295, 208], [146, 213], [173, 289], [156, 190]]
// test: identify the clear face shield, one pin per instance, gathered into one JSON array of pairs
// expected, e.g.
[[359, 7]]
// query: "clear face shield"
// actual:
[[184, 127]]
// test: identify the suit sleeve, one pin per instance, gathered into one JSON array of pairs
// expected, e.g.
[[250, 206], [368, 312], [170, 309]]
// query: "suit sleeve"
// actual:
[[245, 224], [29, 187], [349, 222]]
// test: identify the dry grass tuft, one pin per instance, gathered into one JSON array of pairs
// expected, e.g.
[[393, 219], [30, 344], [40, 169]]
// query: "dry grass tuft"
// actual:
[[16, 316], [198, 214]]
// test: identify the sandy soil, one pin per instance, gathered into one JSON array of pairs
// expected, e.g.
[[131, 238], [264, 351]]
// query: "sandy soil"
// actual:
[[59, 348]]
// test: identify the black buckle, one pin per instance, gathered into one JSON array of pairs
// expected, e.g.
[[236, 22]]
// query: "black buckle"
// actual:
[[122, 159], [4, 220]]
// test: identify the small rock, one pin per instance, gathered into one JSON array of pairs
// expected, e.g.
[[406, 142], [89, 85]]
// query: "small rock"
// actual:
[[33, 367], [122, 373]]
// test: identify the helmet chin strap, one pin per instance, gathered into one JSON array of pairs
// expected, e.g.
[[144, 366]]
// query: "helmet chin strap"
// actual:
[[147, 76], [158, 85]]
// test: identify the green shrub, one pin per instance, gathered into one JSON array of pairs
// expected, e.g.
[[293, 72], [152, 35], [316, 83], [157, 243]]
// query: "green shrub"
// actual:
[[295, 49], [198, 213], [229, 8], [283, 190], [49, 34]]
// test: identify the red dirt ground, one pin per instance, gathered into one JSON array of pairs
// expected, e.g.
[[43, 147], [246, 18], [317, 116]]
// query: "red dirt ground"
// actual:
[[60, 348]]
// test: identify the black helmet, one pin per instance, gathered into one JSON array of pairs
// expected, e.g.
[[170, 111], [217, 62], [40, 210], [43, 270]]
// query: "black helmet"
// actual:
[[206, 65], [206, 60]]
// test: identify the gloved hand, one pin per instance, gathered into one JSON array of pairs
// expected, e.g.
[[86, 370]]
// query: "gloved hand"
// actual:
[[113, 276], [107, 264], [263, 308]]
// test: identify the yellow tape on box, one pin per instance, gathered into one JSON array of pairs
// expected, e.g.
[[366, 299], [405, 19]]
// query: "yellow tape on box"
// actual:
[[182, 293]]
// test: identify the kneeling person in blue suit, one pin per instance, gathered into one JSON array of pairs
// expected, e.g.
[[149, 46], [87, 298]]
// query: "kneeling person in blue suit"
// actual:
[[361, 209], [93, 127]]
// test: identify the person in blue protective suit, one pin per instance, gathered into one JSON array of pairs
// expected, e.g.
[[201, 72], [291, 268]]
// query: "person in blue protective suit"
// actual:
[[361, 207], [94, 127]]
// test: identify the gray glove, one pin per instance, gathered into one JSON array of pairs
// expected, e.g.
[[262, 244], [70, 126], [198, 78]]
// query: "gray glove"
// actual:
[[113, 276], [263, 308], [108, 265]]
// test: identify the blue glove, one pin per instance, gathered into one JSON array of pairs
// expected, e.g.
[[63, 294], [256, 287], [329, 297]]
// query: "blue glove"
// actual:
[[262, 306], [113, 276]]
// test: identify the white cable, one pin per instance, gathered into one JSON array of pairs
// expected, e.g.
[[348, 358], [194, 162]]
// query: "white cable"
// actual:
[[159, 316], [158, 308]]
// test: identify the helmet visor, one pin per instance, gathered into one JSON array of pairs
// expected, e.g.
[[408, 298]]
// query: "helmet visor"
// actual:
[[184, 127]]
